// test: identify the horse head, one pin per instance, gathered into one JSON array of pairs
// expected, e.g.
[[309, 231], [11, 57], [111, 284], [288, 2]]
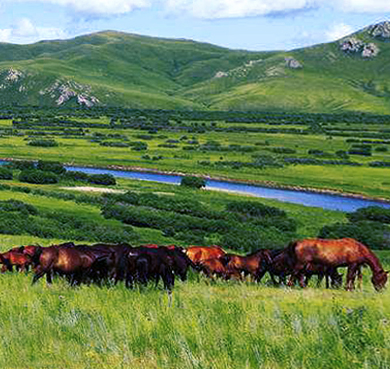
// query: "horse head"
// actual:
[[379, 280]]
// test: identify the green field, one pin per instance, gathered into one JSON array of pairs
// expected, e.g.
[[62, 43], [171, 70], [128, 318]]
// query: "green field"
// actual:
[[217, 147], [207, 325]]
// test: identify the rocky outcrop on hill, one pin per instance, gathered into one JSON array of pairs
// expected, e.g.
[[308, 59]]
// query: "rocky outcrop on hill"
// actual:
[[292, 63], [64, 91], [13, 75], [380, 30], [353, 45], [239, 72]]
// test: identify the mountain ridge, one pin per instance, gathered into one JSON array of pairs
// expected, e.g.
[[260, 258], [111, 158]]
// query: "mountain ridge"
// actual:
[[117, 68]]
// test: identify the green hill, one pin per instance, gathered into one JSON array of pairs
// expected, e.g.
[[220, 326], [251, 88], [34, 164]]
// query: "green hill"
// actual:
[[113, 68]]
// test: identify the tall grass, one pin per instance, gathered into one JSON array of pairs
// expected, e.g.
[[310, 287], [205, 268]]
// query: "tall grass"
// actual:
[[207, 325]]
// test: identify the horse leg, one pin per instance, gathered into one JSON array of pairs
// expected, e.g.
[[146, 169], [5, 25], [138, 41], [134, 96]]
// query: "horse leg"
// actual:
[[351, 274], [39, 273], [49, 277], [360, 278]]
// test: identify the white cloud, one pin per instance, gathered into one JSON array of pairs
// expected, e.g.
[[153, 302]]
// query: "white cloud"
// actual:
[[98, 8], [364, 6], [338, 31], [24, 31], [211, 9]]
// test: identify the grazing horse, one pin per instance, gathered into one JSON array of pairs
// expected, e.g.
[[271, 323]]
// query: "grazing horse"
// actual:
[[215, 267], [333, 254], [180, 261], [14, 257], [144, 263], [66, 259], [252, 264], [198, 254], [279, 265]]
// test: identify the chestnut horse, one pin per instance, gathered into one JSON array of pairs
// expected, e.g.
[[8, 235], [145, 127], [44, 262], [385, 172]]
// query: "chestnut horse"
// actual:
[[198, 254], [252, 264], [15, 257], [333, 254], [215, 268]]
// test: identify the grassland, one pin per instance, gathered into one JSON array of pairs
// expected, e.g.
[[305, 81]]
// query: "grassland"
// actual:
[[208, 325]]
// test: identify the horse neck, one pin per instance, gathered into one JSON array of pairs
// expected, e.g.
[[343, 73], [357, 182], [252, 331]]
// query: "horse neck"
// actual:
[[374, 263]]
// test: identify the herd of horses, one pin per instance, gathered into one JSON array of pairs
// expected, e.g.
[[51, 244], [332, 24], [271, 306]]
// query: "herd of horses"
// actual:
[[100, 263]]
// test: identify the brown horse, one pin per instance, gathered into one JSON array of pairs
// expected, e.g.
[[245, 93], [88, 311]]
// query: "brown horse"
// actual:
[[333, 254], [252, 264], [198, 254], [215, 268], [65, 259], [14, 257]]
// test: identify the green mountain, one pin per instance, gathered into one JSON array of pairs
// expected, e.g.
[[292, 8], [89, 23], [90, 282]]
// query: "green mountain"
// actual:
[[113, 68]]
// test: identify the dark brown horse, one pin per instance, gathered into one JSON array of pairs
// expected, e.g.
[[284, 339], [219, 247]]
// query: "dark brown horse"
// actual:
[[143, 264], [343, 252], [279, 265], [66, 260]]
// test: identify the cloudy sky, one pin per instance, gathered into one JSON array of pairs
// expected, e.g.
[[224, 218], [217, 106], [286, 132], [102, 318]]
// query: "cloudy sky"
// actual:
[[240, 24]]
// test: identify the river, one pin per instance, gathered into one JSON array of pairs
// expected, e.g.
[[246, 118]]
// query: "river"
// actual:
[[306, 198]]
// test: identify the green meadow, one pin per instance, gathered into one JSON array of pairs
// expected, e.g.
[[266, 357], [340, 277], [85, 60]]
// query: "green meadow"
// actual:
[[214, 151], [206, 325]]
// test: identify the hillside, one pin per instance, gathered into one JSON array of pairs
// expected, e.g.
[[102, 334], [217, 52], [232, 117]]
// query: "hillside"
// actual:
[[113, 68]]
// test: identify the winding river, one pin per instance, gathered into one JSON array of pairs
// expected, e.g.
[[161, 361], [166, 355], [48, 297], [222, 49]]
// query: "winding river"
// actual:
[[307, 198]]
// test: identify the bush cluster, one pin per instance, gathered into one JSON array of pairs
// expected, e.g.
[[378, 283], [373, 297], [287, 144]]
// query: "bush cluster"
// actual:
[[26, 219], [38, 177], [6, 173], [194, 182], [368, 225], [43, 143]]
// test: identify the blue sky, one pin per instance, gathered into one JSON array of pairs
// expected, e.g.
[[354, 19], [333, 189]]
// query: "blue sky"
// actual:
[[239, 24]]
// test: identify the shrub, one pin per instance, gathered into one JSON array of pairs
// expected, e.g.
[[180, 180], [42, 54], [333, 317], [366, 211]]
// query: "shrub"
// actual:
[[16, 205], [38, 177], [114, 144], [102, 179], [357, 149], [282, 150], [43, 143], [138, 145], [381, 149], [51, 166], [373, 234], [254, 209], [379, 164], [23, 165], [194, 182], [76, 176], [374, 213], [342, 154], [315, 152], [5, 173]]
